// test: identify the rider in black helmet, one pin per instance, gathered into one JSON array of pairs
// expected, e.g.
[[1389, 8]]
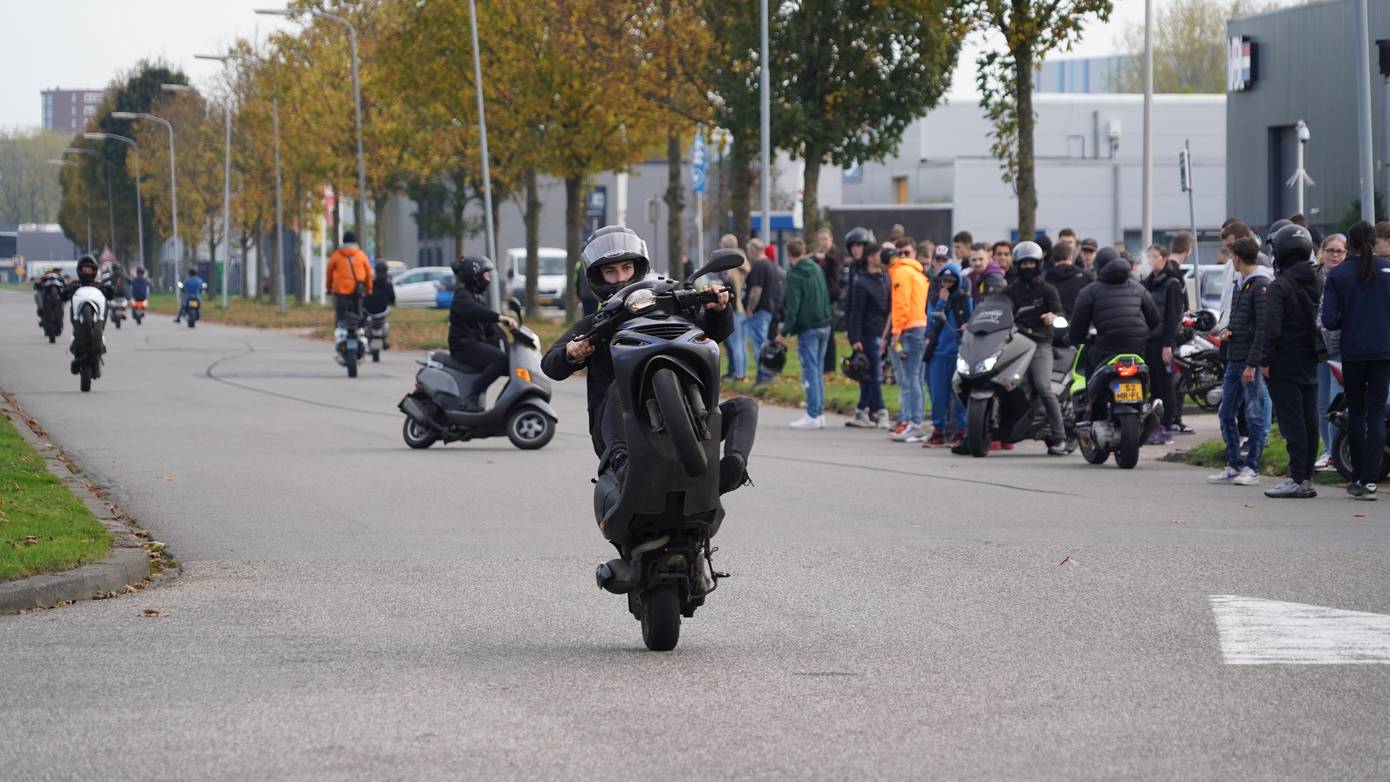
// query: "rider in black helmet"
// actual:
[[473, 334], [615, 257]]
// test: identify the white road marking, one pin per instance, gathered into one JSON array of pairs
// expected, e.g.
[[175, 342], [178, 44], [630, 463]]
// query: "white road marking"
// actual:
[[1254, 631]]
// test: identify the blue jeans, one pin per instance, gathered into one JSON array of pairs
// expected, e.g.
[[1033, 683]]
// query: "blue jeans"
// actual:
[[912, 398], [1255, 399], [757, 326], [871, 390], [737, 349], [1328, 389], [810, 348], [941, 369]]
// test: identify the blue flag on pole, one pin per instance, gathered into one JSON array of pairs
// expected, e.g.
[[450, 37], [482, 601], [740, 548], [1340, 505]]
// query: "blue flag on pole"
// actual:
[[697, 164]]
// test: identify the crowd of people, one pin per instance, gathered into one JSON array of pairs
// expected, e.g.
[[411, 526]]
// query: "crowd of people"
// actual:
[[1295, 307]]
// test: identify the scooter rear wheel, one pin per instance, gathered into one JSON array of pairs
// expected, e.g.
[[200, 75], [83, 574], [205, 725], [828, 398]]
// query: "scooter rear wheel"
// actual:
[[417, 435], [1128, 454], [676, 416], [661, 618]]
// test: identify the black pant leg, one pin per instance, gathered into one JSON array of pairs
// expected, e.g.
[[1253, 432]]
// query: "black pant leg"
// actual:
[[611, 437], [1290, 390], [1309, 396], [738, 424], [490, 362], [1160, 380]]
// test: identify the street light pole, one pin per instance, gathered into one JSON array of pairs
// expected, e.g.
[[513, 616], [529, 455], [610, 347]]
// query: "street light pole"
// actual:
[[173, 181], [495, 292], [764, 91], [358, 206], [279, 213], [139, 205], [1147, 229], [226, 188]]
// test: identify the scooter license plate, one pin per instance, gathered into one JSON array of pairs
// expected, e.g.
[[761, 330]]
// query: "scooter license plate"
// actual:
[[1128, 392]]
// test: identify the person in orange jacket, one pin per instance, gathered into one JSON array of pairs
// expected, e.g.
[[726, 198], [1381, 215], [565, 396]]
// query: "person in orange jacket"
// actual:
[[349, 277], [908, 324]]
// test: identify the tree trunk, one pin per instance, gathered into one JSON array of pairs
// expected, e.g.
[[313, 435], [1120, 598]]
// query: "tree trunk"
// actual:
[[458, 203], [740, 185], [1027, 185], [675, 208], [244, 241], [810, 180], [531, 216], [379, 225], [574, 227]]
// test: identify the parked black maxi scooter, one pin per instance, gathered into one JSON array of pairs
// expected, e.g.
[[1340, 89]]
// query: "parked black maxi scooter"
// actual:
[[667, 374], [435, 411]]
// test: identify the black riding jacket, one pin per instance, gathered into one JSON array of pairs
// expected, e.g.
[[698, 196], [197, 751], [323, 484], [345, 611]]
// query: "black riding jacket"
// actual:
[[1121, 310], [471, 320]]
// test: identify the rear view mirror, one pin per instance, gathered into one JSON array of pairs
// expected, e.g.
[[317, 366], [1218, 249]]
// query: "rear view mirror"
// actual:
[[514, 304], [722, 260]]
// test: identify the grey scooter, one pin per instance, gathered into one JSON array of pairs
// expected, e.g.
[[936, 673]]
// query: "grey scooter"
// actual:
[[434, 411]]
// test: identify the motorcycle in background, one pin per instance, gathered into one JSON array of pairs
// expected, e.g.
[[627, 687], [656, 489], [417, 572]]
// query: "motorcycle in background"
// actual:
[[349, 342], [378, 329], [1198, 368], [137, 311], [118, 310]]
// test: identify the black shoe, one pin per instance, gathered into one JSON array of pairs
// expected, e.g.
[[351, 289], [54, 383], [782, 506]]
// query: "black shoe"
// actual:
[[1058, 449], [733, 473], [960, 449]]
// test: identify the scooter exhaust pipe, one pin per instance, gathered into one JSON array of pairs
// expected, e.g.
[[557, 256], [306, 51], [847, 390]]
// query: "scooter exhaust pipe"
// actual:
[[413, 408]]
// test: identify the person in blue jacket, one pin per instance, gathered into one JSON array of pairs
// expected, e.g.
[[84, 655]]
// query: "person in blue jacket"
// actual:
[[947, 314], [1355, 299], [192, 289]]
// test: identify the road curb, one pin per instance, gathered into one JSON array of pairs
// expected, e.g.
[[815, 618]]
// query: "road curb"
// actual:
[[127, 567]]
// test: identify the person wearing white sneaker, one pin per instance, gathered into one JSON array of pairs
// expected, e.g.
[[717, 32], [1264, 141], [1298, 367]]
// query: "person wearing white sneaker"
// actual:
[[1246, 477], [806, 316], [914, 433], [1226, 476]]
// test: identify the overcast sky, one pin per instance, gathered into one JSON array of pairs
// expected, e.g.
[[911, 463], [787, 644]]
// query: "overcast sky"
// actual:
[[78, 44]]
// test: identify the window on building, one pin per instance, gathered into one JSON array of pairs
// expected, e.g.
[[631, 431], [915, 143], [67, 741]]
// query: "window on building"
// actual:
[[900, 190]]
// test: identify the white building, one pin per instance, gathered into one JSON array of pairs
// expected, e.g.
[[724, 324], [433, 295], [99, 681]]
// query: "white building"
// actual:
[[1088, 167]]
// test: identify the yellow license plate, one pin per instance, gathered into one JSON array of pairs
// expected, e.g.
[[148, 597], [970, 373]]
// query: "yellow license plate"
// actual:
[[193, 304], [1129, 392]]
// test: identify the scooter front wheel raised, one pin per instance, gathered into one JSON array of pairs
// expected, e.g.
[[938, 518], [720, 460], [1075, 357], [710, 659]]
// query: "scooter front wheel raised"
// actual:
[[1128, 454], [417, 435], [661, 618], [529, 428], [977, 427], [676, 416]]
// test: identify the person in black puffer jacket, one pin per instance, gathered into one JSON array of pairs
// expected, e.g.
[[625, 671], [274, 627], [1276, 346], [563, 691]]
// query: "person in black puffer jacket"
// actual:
[[868, 318], [1165, 285], [1287, 354], [1068, 278], [1121, 310]]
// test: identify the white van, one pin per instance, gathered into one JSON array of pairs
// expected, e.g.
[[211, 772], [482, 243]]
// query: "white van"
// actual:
[[551, 282]]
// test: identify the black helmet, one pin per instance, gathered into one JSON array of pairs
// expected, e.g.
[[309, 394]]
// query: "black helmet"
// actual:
[[469, 270], [611, 244], [887, 254], [87, 268], [857, 367], [859, 236], [1026, 250], [1274, 228], [992, 284], [773, 357], [1291, 244], [381, 268]]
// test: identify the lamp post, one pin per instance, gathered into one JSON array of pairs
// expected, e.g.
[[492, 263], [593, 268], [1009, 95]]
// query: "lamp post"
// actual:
[[139, 206], [358, 206], [69, 163], [105, 174], [226, 177], [173, 180], [482, 140]]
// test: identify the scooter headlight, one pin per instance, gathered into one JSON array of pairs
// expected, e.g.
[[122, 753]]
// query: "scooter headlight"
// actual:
[[987, 364], [962, 366], [640, 301]]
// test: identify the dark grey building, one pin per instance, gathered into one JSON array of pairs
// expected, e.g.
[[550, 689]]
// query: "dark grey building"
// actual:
[[1299, 63]]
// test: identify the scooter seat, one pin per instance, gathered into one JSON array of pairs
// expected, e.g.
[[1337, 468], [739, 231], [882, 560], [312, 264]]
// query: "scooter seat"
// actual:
[[448, 361]]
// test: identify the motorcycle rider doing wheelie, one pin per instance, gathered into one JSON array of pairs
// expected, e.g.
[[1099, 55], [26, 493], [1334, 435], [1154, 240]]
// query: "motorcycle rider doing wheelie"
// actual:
[[473, 333], [86, 276], [1036, 305], [615, 257]]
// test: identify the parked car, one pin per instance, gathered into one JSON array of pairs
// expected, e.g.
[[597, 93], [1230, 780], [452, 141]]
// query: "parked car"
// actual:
[[419, 287], [551, 282], [394, 268]]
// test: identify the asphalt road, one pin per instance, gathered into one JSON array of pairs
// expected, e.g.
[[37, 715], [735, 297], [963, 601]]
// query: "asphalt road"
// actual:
[[353, 609]]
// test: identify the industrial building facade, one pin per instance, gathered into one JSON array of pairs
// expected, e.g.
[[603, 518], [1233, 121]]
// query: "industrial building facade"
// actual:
[[1299, 64], [67, 111]]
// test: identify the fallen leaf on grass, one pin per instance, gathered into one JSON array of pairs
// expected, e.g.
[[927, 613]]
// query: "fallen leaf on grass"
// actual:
[[151, 612]]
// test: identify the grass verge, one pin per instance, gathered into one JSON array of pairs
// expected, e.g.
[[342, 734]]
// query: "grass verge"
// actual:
[[1273, 462], [43, 527]]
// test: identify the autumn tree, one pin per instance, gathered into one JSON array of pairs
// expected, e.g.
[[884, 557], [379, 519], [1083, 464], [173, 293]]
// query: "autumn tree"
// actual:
[[730, 77], [851, 76], [29, 188], [1189, 45], [1030, 30]]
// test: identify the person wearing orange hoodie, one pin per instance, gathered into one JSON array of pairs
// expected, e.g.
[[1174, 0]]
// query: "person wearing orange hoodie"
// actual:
[[349, 277], [907, 325]]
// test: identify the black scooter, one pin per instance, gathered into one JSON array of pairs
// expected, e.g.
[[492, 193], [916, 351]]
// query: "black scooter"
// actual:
[[1337, 416], [51, 311], [1121, 414], [667, 375], [992, 380], [435, 410]]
